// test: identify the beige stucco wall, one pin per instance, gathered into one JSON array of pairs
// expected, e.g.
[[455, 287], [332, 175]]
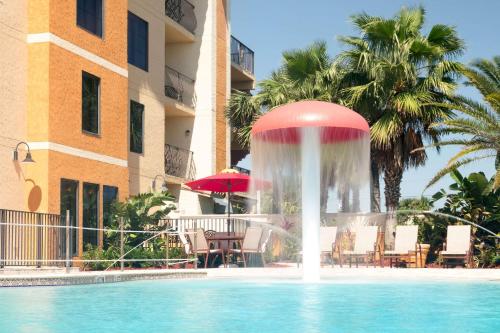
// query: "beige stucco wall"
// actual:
[[13, 64], [148, 88]]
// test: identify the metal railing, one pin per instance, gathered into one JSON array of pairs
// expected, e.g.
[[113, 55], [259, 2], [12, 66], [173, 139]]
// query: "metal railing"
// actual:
[[241, 55], [218, 224], [241, 170], [182, 12], [179, 87], [179, 162], [33, 239]]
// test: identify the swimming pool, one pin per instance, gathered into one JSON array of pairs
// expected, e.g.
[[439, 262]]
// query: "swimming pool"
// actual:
[[225, 305]]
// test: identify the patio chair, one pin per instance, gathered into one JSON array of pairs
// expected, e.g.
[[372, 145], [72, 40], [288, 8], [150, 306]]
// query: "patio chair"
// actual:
[[365, 245], [458, 245], [250, 244], [202, 246], [405, 245]]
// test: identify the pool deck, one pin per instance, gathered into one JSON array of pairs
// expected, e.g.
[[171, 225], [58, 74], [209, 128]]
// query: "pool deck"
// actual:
[[362, 274]]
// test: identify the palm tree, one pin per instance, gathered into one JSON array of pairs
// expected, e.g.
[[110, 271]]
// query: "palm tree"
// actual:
[[480, 122], [400, 72]]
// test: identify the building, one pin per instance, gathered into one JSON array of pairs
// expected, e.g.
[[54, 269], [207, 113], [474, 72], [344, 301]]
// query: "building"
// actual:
[[112, 98]]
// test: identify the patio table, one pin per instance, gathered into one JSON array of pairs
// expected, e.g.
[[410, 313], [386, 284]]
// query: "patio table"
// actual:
[[220, 237]]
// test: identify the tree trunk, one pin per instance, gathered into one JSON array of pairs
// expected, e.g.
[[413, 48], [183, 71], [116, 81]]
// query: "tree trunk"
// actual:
[[343, 195], [374, 186], [496, 184], [355, 200], [393, 174]]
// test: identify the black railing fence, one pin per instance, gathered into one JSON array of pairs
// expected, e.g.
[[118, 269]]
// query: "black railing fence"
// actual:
[[182, 12], [241, 55], [179, 162], [179, 87]]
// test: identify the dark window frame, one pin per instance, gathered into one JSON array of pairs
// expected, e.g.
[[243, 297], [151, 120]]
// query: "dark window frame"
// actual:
[[98, 116], [98, 33], [131, 44], [140, 108], [88, 233], [74, 239]]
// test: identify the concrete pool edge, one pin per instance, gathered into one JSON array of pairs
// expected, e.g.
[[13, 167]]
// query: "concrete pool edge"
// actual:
[[80, 278], [289, 273]]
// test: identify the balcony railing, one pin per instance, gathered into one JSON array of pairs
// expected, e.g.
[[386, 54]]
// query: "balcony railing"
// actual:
[[241, 170], [182, 12], [179, 162], [179, 87], [241, 55]]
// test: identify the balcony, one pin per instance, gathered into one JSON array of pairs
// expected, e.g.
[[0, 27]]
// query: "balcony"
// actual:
[[242, 66], [181, 21], [179, 90], [179, 164]]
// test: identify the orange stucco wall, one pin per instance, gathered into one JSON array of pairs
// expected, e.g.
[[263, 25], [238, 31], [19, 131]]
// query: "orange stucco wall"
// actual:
[[221, 84], [59, 17], [54, 104], [65, 116]]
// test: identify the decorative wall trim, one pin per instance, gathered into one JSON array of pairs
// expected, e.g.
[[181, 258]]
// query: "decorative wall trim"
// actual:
[[44, 145], [47, 37]]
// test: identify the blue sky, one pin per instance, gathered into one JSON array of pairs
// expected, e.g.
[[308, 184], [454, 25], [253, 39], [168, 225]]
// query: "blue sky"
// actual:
[[270, 27]]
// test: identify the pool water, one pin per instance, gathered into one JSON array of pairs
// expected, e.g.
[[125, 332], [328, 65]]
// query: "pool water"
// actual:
[[253, 306]]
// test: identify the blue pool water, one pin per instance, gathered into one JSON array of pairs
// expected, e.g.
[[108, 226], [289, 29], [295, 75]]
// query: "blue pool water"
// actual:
[[253, 306]]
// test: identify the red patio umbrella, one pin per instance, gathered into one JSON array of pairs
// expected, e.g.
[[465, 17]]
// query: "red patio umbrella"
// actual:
[[228, 180]]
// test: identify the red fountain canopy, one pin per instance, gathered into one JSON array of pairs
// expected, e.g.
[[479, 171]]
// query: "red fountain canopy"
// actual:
[[283, 123]]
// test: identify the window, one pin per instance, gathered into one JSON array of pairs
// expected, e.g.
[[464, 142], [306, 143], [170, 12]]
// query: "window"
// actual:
[[136, 127], [137, 41], [89, 16], [90, 213], [109, 195], [69, 201], [90, 103]]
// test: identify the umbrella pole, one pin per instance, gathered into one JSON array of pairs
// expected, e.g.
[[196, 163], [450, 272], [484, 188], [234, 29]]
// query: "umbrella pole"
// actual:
[[228, 207]]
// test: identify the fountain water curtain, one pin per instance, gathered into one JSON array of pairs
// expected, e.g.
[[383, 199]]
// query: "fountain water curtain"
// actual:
[[307, 150]]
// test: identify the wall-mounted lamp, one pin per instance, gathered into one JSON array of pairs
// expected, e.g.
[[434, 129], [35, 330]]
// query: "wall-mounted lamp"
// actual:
[[187, 133], [163, 185], [28, 158]]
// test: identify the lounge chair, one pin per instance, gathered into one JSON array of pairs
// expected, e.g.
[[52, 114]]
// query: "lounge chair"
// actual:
[[327, 241], [405, 244], [250, 244], [201, 245], [458, 245], [365, 245], [266, 237]]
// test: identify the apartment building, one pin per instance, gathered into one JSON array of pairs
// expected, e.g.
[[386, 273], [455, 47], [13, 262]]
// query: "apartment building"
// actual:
[[114, 98]]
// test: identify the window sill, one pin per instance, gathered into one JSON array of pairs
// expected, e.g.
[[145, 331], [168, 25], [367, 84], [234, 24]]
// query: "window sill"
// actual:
[[92, 134]]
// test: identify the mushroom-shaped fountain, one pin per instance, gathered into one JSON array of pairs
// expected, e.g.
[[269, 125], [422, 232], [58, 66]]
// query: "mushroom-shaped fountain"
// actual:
[[316, 147]]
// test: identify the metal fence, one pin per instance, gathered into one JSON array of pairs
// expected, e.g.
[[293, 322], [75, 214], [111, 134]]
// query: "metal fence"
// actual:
[[32, 239], [179, 87], [242, 55], [179, 162], [182, 12]]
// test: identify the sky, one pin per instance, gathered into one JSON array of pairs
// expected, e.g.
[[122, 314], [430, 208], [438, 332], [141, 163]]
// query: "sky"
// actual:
[[269, 27]]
